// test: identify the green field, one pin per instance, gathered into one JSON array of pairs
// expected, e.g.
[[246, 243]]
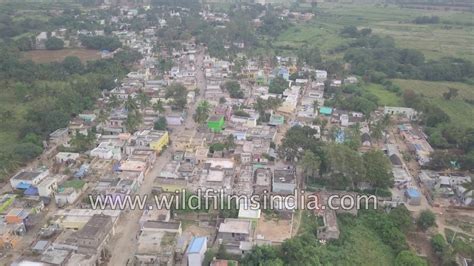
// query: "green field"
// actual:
[[9, 130], [436, 89], [386, 98], [453, 37], [322, 35], [457, 108]]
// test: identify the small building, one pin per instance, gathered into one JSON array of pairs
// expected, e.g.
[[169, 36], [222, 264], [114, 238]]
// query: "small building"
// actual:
[[284, 180], [59, 136], [329, 228], [48, 186], [156, 140], [235, 230], [92, 238], [276, 120], [216, 123], [174, 119], [66, 157], [327, 111], [16, 216], [409, 113], [413, 196], [366, 140], [24, 179], [196, 250]]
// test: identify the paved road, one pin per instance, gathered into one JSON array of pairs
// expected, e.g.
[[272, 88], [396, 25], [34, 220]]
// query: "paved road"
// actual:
[[123, 244]]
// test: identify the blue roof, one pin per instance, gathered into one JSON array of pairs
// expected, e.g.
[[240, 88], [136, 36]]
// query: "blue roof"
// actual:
[[340, 136], [116, 167], [31, 191], [23, 185], [413, 193], [196, 244]]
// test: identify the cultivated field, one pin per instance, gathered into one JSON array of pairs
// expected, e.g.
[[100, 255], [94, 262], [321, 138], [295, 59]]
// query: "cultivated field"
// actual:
[[457, 108], [46, 56], [453, 36]]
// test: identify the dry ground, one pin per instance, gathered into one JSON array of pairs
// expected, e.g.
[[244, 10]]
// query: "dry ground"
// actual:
[[276, 230], [46, 56]]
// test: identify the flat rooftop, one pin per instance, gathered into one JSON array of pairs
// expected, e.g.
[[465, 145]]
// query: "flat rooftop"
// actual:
[[235, 226], [162, 225], [26, 175]]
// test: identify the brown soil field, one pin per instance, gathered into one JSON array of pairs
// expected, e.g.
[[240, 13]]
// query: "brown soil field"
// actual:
[[46, 56]]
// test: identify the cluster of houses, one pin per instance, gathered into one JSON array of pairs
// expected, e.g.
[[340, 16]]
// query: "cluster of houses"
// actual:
[[234, 151]]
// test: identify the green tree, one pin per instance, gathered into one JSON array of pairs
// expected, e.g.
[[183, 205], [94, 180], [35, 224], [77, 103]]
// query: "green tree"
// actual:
[[202, 112], [27, 151], [408, 258], [278, 85], [143, 99], [54, 43], [133, 121], [401, 216], [378, 169], [310, 55], [178, 93], [81, 142], [310, 164], [438, 243], [131, 104], [160, 124], [114, 101], [73, 65], [426, 219], [233, 87], [158, 106]]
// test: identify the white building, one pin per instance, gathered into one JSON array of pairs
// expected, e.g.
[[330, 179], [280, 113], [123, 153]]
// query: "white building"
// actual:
[[196, 250], [24, 179], [48, 186], [321, 75], [409, 113], [107, 151]]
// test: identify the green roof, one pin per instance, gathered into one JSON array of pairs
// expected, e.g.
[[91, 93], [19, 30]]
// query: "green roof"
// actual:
[[77, 184], [325, 110]]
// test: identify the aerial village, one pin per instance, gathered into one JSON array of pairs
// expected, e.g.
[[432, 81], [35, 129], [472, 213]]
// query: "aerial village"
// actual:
[[232, 146]]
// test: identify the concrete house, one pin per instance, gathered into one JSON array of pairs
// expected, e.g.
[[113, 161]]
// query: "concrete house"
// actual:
[[24, 179], [284, 180], [409, 113], [235, 230], [93, 237], [48, 186], [196, 250]]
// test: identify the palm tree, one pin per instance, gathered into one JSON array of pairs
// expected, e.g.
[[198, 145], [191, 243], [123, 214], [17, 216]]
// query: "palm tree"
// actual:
[[158, 106], [114, 101], [315, 106], [469, 186], [131, 104], [202, 112], [102, 116], [310, 164], [143, 99]]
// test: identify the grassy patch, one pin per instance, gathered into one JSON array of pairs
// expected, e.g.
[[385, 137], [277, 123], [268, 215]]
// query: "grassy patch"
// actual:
[[436, 88], [77, 184], [435, 41], [461, 243], [386, 98], [457, 109], [324, 36], [47, 56]]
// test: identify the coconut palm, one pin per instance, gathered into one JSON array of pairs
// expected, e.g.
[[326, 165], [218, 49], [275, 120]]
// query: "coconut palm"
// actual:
[[158, 106]]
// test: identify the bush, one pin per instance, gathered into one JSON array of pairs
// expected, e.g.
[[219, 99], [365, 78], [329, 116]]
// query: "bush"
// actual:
[[426, 219], [54, 43]]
